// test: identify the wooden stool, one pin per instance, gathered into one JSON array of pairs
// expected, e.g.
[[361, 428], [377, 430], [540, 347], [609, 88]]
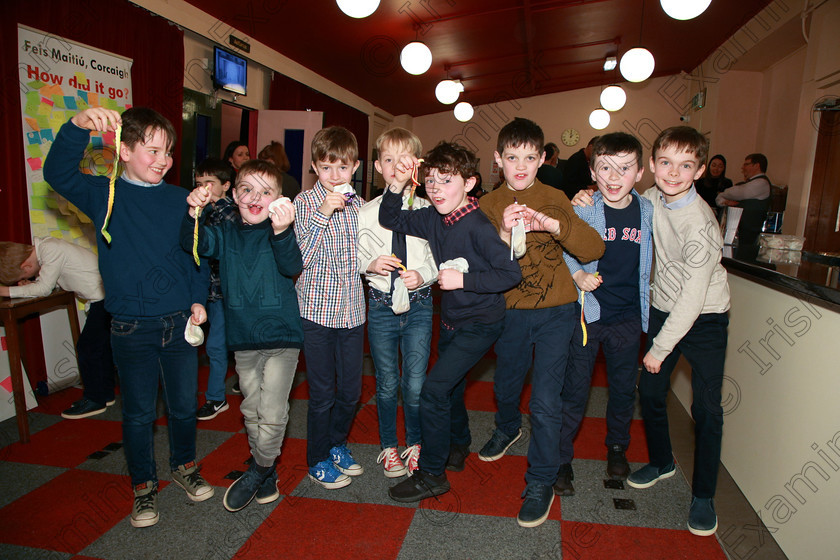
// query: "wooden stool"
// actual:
[[12, 312]]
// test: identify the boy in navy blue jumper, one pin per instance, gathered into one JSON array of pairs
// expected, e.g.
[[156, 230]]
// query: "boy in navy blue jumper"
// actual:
[[258, 258], [615, 305], [472, 305], [152, 288]]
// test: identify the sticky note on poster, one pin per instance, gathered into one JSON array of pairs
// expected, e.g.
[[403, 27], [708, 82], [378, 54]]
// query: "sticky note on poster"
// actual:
[[40, 188], [37, 217], [34, 163], [47, 135], [32, 123], [70, 102], [34, 151], [33, 137]]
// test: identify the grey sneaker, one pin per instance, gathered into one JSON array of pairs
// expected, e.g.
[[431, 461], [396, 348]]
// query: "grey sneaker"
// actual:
[[188, 478], [145, 512], [497, 445]]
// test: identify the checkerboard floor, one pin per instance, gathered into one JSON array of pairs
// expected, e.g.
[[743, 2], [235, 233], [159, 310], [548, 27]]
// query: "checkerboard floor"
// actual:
[[67, 495]]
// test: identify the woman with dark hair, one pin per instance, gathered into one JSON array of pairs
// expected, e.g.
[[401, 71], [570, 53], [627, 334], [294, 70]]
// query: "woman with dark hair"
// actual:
[[714, 180], [236, 154], [276, 154]]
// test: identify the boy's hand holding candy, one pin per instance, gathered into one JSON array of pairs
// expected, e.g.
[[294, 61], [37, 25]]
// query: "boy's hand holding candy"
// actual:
[[198, 198], [281, 212]]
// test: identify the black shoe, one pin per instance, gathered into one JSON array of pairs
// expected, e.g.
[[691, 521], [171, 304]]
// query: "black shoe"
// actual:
[[497, 445], [537, 504], [617, 466], [564, 486], [419, 486], [457, 456], [268, 491], [82, 409], [211, 409], [235, 388]]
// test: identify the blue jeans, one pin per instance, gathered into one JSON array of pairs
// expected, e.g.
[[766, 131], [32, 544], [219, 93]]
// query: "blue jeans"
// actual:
[[704, 346], [541, 335], [151, 351], [334, 373], [443, 415], [217, 352], [620, 341], [388, 333]]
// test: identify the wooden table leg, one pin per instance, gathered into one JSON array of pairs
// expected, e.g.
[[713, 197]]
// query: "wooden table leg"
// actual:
[[13, 345], [75, 330]]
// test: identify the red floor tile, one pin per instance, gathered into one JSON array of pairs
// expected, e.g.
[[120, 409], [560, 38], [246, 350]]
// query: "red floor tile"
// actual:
[[232, 454], [58, 402], [66, 444], [67, 513], [592, 541], [301, 391], [589, 443], [367, 531], [228, 421]]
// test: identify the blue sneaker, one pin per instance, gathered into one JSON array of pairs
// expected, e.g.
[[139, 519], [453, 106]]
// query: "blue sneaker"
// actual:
[[649, 475], [702, 520], [537, 504], [268, 491], [497, 445], [345, 462], [244, 489], [326, 474]]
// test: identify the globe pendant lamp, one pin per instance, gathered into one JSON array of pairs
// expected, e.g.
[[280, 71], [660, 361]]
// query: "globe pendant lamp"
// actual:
[[448, 91], [464, 111], [636, 65], [599, 119], [613, 98], [416, 58], [358, 8], [684, 9]]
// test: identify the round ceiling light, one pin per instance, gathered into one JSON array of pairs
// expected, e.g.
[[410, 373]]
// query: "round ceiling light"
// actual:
[[358, 8], [464, 111], [448, 91], [613, 98], [684, 9], [599, 119], [636, 65], [416, 58]]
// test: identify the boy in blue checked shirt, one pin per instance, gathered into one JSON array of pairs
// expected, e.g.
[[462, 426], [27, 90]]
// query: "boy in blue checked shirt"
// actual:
[[332, 306], [215, 175]]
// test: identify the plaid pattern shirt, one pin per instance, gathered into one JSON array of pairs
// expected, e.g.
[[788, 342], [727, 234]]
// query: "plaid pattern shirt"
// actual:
[[455, 215], [223, 210], [330, 286]]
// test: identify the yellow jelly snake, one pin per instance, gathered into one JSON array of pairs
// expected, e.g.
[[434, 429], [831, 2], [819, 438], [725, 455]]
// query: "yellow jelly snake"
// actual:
[[111, 183], [414, 184], [195, 231], [582, 320]]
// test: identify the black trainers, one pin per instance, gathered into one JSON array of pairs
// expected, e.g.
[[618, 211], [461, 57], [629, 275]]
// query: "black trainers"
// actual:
[[187, 477], [457, 456], [649, 475], [268, 491], [211, 409], [244, 489], [617, 466], [497, 445], [82, 409], [537, 504], [564, 486], [145, 512], [702, 520], [418, 486], [235, 388]]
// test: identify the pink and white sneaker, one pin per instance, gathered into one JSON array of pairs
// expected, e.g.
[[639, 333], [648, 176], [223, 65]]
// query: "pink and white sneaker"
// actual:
[[411, 455], [391, 463]]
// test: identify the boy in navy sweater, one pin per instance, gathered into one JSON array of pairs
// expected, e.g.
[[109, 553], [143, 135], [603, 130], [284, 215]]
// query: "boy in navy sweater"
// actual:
[[258, 257], [472, 305], [152, 288]]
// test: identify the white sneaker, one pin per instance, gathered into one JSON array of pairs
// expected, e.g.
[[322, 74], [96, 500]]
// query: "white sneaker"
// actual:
[[411, 455], [391, 463]]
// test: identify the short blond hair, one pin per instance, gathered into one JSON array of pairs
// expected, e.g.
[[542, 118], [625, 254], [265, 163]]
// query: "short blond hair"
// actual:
[[400, 137], [12, 256]]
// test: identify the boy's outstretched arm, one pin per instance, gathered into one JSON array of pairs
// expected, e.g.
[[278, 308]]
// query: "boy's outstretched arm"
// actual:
[[575, 235], [410, 222]]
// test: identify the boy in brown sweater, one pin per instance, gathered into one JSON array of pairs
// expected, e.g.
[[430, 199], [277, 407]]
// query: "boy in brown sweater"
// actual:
[[540, 314]]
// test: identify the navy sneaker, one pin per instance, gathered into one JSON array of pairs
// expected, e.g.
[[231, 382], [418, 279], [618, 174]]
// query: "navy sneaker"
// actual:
[[268, 491], [418, 486], [82, 409], [564, 486], [244, 489], [457, 457], [327, 475], [537, 504], [497, 445], [649, 475], [617, 466], [702, 520], [344, 461]]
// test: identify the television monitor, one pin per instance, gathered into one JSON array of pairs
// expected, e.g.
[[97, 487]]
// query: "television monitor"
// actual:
[[230, 71]]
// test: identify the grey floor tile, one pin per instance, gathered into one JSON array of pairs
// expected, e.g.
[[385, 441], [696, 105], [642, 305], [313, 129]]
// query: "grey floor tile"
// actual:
[[26, 553], [18, 479]]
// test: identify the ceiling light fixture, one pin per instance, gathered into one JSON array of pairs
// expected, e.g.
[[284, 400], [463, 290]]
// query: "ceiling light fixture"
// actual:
[[637, 64], [464, 111], [610, 63], [613, 98], [416, 58], [599, 119], [358, 8], [448, 91], [684, 9]]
